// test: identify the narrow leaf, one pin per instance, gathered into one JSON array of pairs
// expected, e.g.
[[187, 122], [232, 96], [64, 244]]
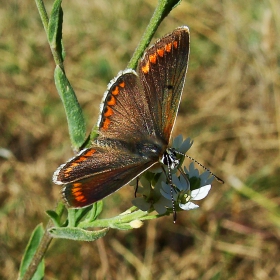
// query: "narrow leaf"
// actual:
[[74, 114], [55, 30], [124, 226], [78, 214], [54, 217], [30, 250], [77, 233]]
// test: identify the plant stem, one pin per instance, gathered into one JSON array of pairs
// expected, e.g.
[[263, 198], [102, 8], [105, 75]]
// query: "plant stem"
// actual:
[[45, 21], [43, 246], [40, 253], [162, 10]]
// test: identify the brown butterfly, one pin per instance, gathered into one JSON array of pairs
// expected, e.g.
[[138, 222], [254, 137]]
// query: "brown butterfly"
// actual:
[[137, 116]]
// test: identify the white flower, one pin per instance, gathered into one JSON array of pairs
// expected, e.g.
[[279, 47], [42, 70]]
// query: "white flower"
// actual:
[[197, 194]]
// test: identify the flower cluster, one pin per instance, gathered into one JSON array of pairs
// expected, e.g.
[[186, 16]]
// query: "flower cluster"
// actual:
[[162, 196]]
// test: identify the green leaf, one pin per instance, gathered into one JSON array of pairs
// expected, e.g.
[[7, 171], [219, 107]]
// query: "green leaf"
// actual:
[[74, 114], [124, 226], [168, 5], [98, 207], [84, 216], [55, 28], [94, 133], [30, 250], [54, 217], [76, 215], [164, 7], [77, 233]]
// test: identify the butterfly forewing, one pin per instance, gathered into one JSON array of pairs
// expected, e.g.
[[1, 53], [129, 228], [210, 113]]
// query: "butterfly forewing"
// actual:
[[162, 74], [125, 114]]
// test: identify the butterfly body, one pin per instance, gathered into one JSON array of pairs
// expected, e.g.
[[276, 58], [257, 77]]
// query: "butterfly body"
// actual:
[[137, 116]]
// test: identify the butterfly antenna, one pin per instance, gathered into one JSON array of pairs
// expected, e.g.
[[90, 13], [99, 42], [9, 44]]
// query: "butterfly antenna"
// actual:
[[173, 204], [216, 177]]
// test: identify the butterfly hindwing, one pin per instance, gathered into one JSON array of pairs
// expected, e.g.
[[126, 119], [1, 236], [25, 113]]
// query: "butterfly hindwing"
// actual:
[[98, 172], [96, 160], [87, 191]]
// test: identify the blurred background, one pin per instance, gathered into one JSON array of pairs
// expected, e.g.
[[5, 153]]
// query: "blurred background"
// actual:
[[230, 108]]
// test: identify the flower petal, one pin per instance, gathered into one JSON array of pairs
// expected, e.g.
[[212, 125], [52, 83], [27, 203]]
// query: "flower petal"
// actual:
[[186, 145], [200, 193], [185, 183], [160, 208], [176, 182], [165, 191], [188, 206], [141, 203], [177, 141]]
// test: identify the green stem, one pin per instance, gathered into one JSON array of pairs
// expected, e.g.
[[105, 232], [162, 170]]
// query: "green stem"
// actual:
[[162, 10], [74, 114], [43, 14], [40, 253], [120, 219], [42, 248], [45, 20]]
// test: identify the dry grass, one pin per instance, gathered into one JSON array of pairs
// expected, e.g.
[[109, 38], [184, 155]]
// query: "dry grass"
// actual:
[[230, 108]]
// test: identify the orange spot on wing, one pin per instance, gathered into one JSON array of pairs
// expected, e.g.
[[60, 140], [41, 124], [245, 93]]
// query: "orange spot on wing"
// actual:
[[168, 47], [89, 153], [76, 187], [116, 91], [70, 168], [175, 44], [68, 171], [160, 52], [108, 112], [106, 123], [146, 68], [81, 159], [153, 58], [122, 84], [79, 197], [111, 100], [77, 192]]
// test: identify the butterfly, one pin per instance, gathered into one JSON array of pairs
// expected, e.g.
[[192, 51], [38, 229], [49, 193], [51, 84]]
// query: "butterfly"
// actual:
[[137, 116]]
